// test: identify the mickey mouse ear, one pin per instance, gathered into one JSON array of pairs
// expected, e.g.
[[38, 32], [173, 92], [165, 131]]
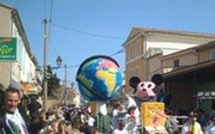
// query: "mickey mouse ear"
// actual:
[[134, 81], [157, 79]]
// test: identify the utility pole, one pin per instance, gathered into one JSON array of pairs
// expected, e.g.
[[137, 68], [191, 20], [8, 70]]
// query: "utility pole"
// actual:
[[65, 92], [65, 66], [45, 82]]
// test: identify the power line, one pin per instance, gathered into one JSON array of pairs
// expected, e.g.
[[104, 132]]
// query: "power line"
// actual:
[[86, 33], [51, 12], [118, 52], [75, 66], [51, 9]]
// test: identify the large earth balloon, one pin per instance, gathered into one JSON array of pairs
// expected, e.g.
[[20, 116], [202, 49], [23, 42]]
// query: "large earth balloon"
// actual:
[[99, 78]]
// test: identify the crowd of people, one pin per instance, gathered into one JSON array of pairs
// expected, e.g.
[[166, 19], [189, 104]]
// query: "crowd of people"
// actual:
[[60, 119], [121, 117]]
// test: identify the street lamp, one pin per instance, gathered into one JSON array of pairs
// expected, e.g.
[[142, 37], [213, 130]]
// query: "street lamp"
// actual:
[[59, 61]]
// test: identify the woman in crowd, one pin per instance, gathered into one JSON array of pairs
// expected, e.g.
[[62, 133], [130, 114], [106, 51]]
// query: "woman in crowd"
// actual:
[[210, 129]]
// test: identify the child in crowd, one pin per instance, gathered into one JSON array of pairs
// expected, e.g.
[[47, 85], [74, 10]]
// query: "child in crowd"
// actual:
[[132, 120], [121, 128]]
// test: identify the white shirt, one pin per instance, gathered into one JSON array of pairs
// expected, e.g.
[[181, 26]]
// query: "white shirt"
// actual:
[[185, 128], [210, 129], [17, 120], [90, 121], [117, 131]]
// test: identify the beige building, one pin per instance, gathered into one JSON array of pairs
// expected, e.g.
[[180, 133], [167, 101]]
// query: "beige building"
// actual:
[[24, 67], [143, 45]]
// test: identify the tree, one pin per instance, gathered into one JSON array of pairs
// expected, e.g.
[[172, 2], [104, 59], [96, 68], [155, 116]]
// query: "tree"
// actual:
[[53, 81]]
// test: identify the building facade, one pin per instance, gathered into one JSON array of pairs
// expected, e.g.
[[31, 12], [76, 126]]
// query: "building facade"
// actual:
[[143, 44], [189, 77], [24, 67]]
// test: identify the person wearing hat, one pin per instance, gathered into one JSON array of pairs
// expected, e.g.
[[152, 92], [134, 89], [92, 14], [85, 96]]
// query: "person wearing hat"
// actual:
[[18, 86], [192, 126]]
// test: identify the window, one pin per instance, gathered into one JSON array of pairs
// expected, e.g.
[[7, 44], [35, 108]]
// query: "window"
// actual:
[[212, 54], [137, 49], [14, 34], [130, 73], [131, 51], [137, 71], [176, 63]]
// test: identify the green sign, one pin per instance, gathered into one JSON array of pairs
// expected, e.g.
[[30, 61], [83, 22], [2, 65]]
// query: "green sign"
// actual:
[[8, 49]]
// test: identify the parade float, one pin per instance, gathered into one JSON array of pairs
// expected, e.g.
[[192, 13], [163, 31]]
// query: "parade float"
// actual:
[[100, 80]]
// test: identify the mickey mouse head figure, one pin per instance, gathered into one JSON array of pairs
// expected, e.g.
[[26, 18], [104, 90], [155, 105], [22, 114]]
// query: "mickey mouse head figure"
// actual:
[[142, 89], [145, 89]]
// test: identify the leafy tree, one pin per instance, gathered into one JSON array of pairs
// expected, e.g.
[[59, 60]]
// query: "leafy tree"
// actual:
[[53, 81]]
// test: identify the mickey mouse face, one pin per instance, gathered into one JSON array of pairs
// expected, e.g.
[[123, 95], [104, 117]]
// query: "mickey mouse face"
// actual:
[[145, 89]]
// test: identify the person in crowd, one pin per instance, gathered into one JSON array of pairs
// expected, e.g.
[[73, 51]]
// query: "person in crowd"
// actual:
[[43, 116], [86, 129], [75, 130], [42, 122], [1, 106], [210, 129], [120, 129], [54, 125], [44, 128], [119, 113], [18, 86], [79, 119], [68, 128], [34, 125], [192, 126], [62, 128], [34, 107], [131, 102], [205, 118], [102, 121], [132, 120], [1, 100], [89, 119], [50, 115], [115, 115], [213, 108], [168, 101], [88, 108], [13, 121], [59, 112]]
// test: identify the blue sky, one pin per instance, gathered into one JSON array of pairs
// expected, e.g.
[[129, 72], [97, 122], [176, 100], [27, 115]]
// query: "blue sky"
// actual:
[[83, 28]]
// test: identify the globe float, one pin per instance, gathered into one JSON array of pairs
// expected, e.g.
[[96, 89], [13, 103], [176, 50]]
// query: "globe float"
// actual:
[[99, 78]]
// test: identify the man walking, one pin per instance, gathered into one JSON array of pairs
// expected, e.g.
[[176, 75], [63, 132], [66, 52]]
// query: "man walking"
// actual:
[[13, 122]]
